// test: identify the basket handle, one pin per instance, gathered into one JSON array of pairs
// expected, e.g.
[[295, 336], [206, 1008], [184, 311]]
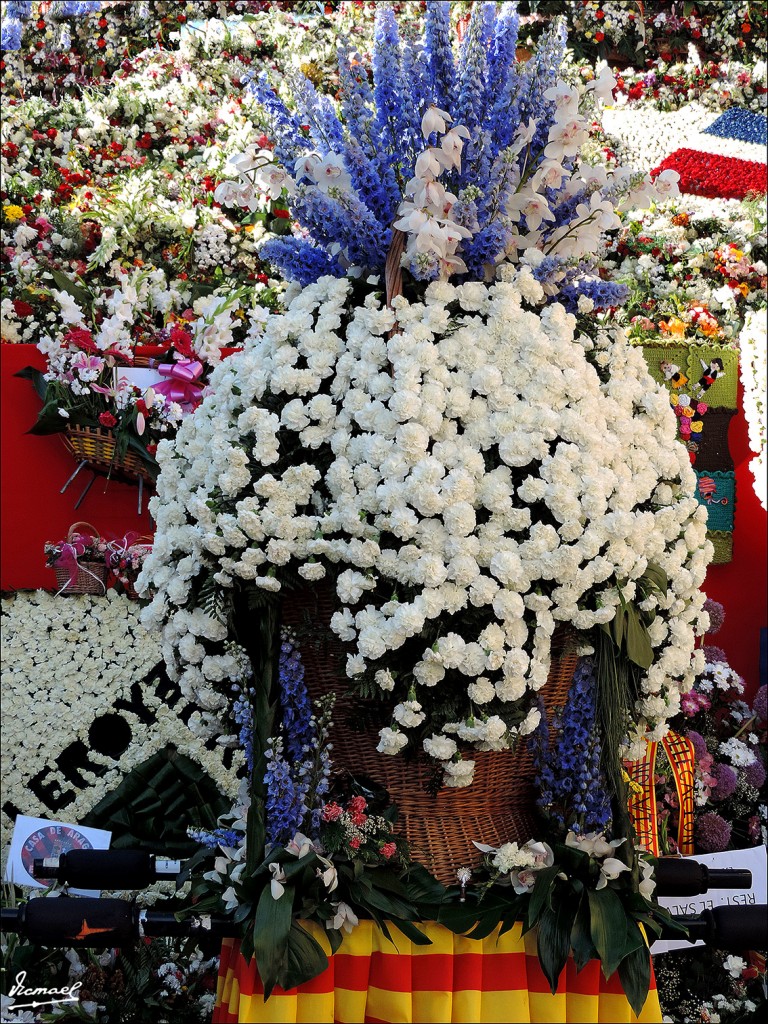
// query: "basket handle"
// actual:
[[393, 272], [72, 530]]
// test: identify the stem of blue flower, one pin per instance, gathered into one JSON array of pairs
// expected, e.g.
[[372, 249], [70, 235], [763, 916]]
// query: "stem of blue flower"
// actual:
[[259, 633]]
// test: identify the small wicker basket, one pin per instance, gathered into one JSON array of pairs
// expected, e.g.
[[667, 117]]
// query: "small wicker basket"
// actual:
[[498, 807], [91, 575], [97, 445]]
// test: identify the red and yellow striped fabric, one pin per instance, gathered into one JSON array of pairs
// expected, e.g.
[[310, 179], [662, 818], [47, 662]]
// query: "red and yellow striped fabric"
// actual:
[[455, 979]]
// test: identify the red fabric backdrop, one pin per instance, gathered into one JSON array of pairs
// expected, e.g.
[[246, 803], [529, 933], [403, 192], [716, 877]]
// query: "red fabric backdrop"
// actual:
[[33, 511]]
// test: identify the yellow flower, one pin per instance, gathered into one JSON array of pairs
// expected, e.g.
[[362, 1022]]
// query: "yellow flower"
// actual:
[[13, 212]]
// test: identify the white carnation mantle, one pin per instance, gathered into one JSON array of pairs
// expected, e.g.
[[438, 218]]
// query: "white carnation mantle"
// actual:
[[474, 479]]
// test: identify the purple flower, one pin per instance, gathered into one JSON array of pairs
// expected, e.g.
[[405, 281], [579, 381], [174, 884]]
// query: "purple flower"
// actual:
[[760, 704], [714, 654], [754, 774], [726, 781], [713, 833], [699, 744], [716, 615]]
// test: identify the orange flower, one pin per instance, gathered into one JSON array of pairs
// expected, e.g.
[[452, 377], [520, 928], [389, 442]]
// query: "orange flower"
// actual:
[[673, 326]]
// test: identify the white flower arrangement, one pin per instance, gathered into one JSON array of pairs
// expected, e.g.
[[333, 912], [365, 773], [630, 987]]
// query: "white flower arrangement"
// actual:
[[753, 344], [65, 663], [468, 483]]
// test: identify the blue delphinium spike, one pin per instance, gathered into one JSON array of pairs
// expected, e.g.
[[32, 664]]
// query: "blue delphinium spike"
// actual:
[[317, 111], [501, 58], [392, 123], [285, 128], [10, 34], [356, 101], [541, 73], [473, 71], [374, 181], [21, 9], [299, 260], [439, 53], [343, 221]]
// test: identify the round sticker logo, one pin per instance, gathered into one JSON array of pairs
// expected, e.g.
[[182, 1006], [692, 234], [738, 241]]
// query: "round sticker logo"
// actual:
[[51, 841]]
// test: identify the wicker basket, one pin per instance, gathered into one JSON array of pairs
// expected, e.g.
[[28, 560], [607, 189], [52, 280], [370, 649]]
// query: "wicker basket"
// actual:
[[91, 575], [498, 807], [97, 446]]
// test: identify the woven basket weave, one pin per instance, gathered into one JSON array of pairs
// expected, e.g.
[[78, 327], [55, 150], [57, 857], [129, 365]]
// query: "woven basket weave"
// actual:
[[498, 807], [91, 576], [97, 445]]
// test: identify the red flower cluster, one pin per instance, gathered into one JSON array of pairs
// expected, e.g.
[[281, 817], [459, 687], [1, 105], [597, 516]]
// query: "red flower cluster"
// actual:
[[706, 174]]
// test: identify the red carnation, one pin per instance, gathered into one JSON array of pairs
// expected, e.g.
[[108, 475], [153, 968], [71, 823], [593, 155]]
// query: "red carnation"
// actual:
[[22, 308], [81, 338], [106, 419], [388, 850]]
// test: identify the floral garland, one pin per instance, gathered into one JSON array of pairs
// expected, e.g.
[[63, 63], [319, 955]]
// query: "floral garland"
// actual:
[[66, 663], [753, 345]]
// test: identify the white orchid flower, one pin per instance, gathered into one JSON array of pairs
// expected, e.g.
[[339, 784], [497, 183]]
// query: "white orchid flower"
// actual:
[[564, 96], [451, 146], [604, 85], [345, 918], [300, 845], [303, 166], [647, 883], [427, 166], [278, 877], [330, 173], [549, 174], [434, 120], [227, 193], [230, 899], [593, 843], [272, 179], [610, 868], [667, 184], [329, 876]]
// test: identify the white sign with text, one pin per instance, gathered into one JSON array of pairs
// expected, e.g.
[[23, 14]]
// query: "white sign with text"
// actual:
[[37, 838]]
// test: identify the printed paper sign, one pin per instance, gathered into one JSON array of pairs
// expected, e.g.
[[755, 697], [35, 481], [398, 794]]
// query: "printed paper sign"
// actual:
[[143, 377], [35, 838], [753, 860]]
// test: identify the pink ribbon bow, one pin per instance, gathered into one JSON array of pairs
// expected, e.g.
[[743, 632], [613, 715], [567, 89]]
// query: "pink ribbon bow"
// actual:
[[70, 552], [181, 386]]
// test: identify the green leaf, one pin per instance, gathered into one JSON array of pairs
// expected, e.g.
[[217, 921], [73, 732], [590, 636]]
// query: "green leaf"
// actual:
[[37, 377], [608, 927], [271, 928], [409, 929], [635, 977], [545, 881], [80, 294], [305, 958], [581, 938], [639, 649], [657, 577], [553, 941]]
